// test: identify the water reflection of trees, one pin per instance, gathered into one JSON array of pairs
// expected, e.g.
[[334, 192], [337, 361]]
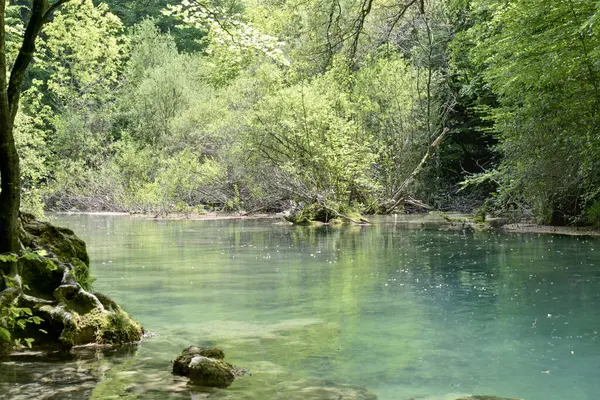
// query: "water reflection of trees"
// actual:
[[396, 302]]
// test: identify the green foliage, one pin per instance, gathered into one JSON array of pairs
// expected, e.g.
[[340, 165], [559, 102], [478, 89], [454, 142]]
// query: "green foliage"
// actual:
[[593, 214], [82, 52], [12, 316], [537, 58], [303, 130], [312, 101], [14, 30], [385, 97], [133, 12], [31, 136]]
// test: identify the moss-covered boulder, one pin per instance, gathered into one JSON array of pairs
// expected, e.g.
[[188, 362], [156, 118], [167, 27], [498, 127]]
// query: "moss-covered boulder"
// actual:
[[53, 282], [319, 213], [61, 243], [205, 366]]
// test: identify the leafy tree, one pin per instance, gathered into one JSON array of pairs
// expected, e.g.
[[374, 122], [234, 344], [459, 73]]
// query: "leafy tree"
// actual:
[[82, 53], [538, 59], [304, 131], [133, 12]]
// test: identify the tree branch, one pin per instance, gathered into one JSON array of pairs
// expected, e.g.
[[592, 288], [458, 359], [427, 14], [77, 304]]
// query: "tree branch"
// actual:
[[358, 26], [4, 108], [398, 196], [52, 8], [34, 26]]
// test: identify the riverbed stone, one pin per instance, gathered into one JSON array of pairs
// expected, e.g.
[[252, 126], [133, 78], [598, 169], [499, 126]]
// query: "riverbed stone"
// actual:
[[205, 366]]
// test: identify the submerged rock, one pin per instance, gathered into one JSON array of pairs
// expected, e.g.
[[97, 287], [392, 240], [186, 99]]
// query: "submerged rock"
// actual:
[[205, 366], [54, 283]]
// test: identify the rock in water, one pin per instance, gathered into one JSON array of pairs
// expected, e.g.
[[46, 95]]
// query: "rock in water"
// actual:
[[54, 283], [205, 366]]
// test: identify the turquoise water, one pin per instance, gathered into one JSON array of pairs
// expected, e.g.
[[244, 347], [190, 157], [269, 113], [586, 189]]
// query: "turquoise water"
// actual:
[[320, 313]]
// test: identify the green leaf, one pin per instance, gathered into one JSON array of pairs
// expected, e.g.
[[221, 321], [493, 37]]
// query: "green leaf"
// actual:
[[8, 258], [4, 334], [42, 253]]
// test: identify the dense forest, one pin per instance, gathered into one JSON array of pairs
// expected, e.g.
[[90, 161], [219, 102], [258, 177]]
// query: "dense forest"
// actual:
[[368, 105]]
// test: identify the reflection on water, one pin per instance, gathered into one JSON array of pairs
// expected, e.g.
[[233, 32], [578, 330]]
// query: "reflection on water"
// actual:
[[342, 312]]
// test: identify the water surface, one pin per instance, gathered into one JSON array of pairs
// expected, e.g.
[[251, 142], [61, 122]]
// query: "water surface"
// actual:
[[319, 313]]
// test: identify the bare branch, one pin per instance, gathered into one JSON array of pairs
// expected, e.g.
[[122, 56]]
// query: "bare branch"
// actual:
[[358, 26], [399, 16], [398, 196]]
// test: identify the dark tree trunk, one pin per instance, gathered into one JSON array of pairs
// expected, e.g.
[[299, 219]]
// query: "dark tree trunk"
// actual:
[[9, 159], [10, 198], [10, 91]]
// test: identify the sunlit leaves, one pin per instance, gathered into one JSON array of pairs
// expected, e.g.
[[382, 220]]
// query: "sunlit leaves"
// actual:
[[231, 36], [82, 51]]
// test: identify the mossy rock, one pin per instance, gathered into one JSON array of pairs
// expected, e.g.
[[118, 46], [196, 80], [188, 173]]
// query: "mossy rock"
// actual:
[[211, 372], [204, 366], [61, 243], [42, 276], [54, 285], [318, 214], [181, 363]]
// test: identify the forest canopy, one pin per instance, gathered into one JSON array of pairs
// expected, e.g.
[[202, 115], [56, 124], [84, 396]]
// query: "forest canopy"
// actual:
[[242, 106]]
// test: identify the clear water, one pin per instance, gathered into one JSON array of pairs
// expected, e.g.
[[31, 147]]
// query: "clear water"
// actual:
[[330, 313]]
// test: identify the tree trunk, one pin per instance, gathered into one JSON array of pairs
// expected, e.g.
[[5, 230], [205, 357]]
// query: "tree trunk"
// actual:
[[10, 91], [10, 198], [9, 159]]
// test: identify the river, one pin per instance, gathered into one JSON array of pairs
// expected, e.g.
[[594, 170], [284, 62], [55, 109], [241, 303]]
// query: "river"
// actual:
[[336, 312]]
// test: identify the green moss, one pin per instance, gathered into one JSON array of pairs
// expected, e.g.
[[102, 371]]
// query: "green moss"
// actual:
[[120, 328], [102, 327], [206, 371], [40, 276], [61, 243], [84, 328], [181, 363], [55, 271], [204, 366], [316, 214], [82, 274]]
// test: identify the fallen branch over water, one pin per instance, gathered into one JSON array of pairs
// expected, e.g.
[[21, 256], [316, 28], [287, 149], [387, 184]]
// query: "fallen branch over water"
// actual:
[[400, 195]]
